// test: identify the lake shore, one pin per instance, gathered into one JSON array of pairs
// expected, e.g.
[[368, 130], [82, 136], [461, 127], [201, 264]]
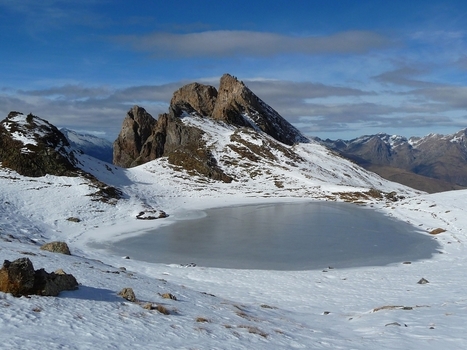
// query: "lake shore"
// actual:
[[279, 236]]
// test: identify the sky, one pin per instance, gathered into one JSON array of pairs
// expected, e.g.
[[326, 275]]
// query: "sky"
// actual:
[[334, 69]]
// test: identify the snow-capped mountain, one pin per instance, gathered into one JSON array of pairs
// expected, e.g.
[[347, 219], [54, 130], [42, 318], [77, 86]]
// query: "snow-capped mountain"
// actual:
[[180, 307], [92, 145], [242, 150], [431, 163]]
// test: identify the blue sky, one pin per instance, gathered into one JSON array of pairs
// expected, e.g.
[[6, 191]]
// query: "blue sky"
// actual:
[[334, 68]]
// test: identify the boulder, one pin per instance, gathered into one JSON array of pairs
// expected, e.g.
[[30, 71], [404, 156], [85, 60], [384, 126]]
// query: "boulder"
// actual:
[[51, 284], [57, 247], [128, 294], [19, 278]]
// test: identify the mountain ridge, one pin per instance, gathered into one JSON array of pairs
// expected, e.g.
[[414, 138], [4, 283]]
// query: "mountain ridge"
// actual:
[[431, 163], [185, 153], [143, 138]]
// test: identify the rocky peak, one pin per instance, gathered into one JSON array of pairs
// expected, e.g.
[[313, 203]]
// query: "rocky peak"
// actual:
[[136, 129], [184, 144], [237, 104], [34, 147], [234, 104], [194, 97]]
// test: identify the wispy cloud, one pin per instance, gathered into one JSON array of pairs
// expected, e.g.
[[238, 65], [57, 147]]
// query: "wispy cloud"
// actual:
[[283, 89], [50, 15], [223, 43], [453, 97], [404, 76]]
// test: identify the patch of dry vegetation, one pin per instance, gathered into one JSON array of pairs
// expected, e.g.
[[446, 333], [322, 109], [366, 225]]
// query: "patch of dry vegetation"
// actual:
[[437, 231]]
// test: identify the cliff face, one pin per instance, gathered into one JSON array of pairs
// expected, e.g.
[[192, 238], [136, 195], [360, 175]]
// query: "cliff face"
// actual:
[[136, 128], [142, 138]]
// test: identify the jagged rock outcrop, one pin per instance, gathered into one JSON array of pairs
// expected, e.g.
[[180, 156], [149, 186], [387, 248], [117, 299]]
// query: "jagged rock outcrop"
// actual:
[[170, 137], [237, 104], [137, 127], [183, 144], [19, 278], [194, 97], [34, 147]]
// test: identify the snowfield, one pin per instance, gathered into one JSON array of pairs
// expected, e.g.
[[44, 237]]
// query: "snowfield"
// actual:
[[355, 308]]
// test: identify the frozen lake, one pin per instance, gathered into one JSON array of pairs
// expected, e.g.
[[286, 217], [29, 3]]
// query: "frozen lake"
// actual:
[[282, 236]]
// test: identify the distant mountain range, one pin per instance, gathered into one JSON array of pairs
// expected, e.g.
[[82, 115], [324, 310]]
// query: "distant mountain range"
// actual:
[[432, 163]]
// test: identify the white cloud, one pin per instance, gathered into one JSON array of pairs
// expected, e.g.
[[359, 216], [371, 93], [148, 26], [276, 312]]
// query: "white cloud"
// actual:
[[224, 43], [314, 107]]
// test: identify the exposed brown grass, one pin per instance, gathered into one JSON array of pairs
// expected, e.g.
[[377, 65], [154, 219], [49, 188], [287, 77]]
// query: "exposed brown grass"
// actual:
[[437, 231], [254, 330]]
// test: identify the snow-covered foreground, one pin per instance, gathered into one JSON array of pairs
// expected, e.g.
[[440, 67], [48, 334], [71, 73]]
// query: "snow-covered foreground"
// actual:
[[356, 308]]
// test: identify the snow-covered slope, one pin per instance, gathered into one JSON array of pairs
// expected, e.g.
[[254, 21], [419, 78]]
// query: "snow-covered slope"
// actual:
[[370, 307], [92, 145], [260, 165], [361, 308]]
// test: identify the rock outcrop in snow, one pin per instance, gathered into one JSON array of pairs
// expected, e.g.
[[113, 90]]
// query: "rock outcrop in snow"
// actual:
[[19, 278], [194, 97], [34, 147], [238, 105], [136, 129], [143, 139], [182, 144]]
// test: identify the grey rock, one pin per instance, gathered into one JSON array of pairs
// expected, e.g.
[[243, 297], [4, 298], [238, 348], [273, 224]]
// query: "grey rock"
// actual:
[[128, 294], [19, 278], [57, 247], [51, 284], [136, 129]]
